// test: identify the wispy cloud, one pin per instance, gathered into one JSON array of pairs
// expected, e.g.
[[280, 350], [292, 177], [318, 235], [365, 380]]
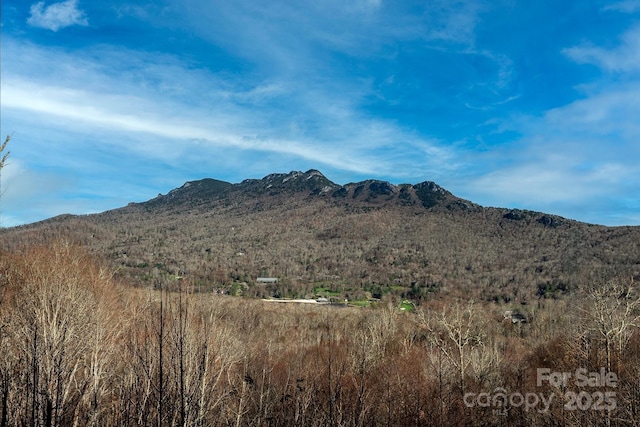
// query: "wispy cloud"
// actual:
[[626, 6], [57, 15], [80, 109], [624, 58], [322, 128]]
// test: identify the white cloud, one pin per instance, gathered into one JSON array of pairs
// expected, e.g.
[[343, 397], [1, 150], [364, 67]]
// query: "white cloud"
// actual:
[[579, 160], [57, 15], [610, 114], [625, 6], [551, 181], [574, 160], [624, 58], [79, 108]]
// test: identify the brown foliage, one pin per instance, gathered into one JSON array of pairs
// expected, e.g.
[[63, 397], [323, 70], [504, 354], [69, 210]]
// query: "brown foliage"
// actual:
[[77, 348]]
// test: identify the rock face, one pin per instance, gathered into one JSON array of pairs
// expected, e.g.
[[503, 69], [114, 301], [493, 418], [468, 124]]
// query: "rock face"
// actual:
[[189, 195], [311, 181], [370, 190], [525, 216], [430, 193], [515, 215], [550, 221]]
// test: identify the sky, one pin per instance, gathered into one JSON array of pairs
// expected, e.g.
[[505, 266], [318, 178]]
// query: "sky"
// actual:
[[507, 103]]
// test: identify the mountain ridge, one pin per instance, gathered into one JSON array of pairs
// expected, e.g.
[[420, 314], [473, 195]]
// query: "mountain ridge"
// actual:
[[314, 183], [362, 238]]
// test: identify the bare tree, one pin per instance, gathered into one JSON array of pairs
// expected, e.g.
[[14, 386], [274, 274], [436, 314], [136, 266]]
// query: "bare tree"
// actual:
[[454, 331], [54, 319], [3, 160], [612, 313]]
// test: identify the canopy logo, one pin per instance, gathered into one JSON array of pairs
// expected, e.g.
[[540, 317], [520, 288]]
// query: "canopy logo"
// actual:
[[576, 399]]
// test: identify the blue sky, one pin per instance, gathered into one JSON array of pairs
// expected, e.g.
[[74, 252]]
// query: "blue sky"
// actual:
[[518, 104]]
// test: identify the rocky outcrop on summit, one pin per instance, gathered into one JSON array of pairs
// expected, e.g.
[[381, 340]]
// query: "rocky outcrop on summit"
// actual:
[[430, 193], [312, 182], [368, 191], [426, 194], [208, 192], [192, 193]]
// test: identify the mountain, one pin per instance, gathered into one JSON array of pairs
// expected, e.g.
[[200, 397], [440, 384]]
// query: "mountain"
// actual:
[[359, 240], [311, 183]]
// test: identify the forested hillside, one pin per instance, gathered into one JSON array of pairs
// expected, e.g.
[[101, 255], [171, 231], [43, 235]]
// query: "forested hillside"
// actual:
[[362, 239]]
